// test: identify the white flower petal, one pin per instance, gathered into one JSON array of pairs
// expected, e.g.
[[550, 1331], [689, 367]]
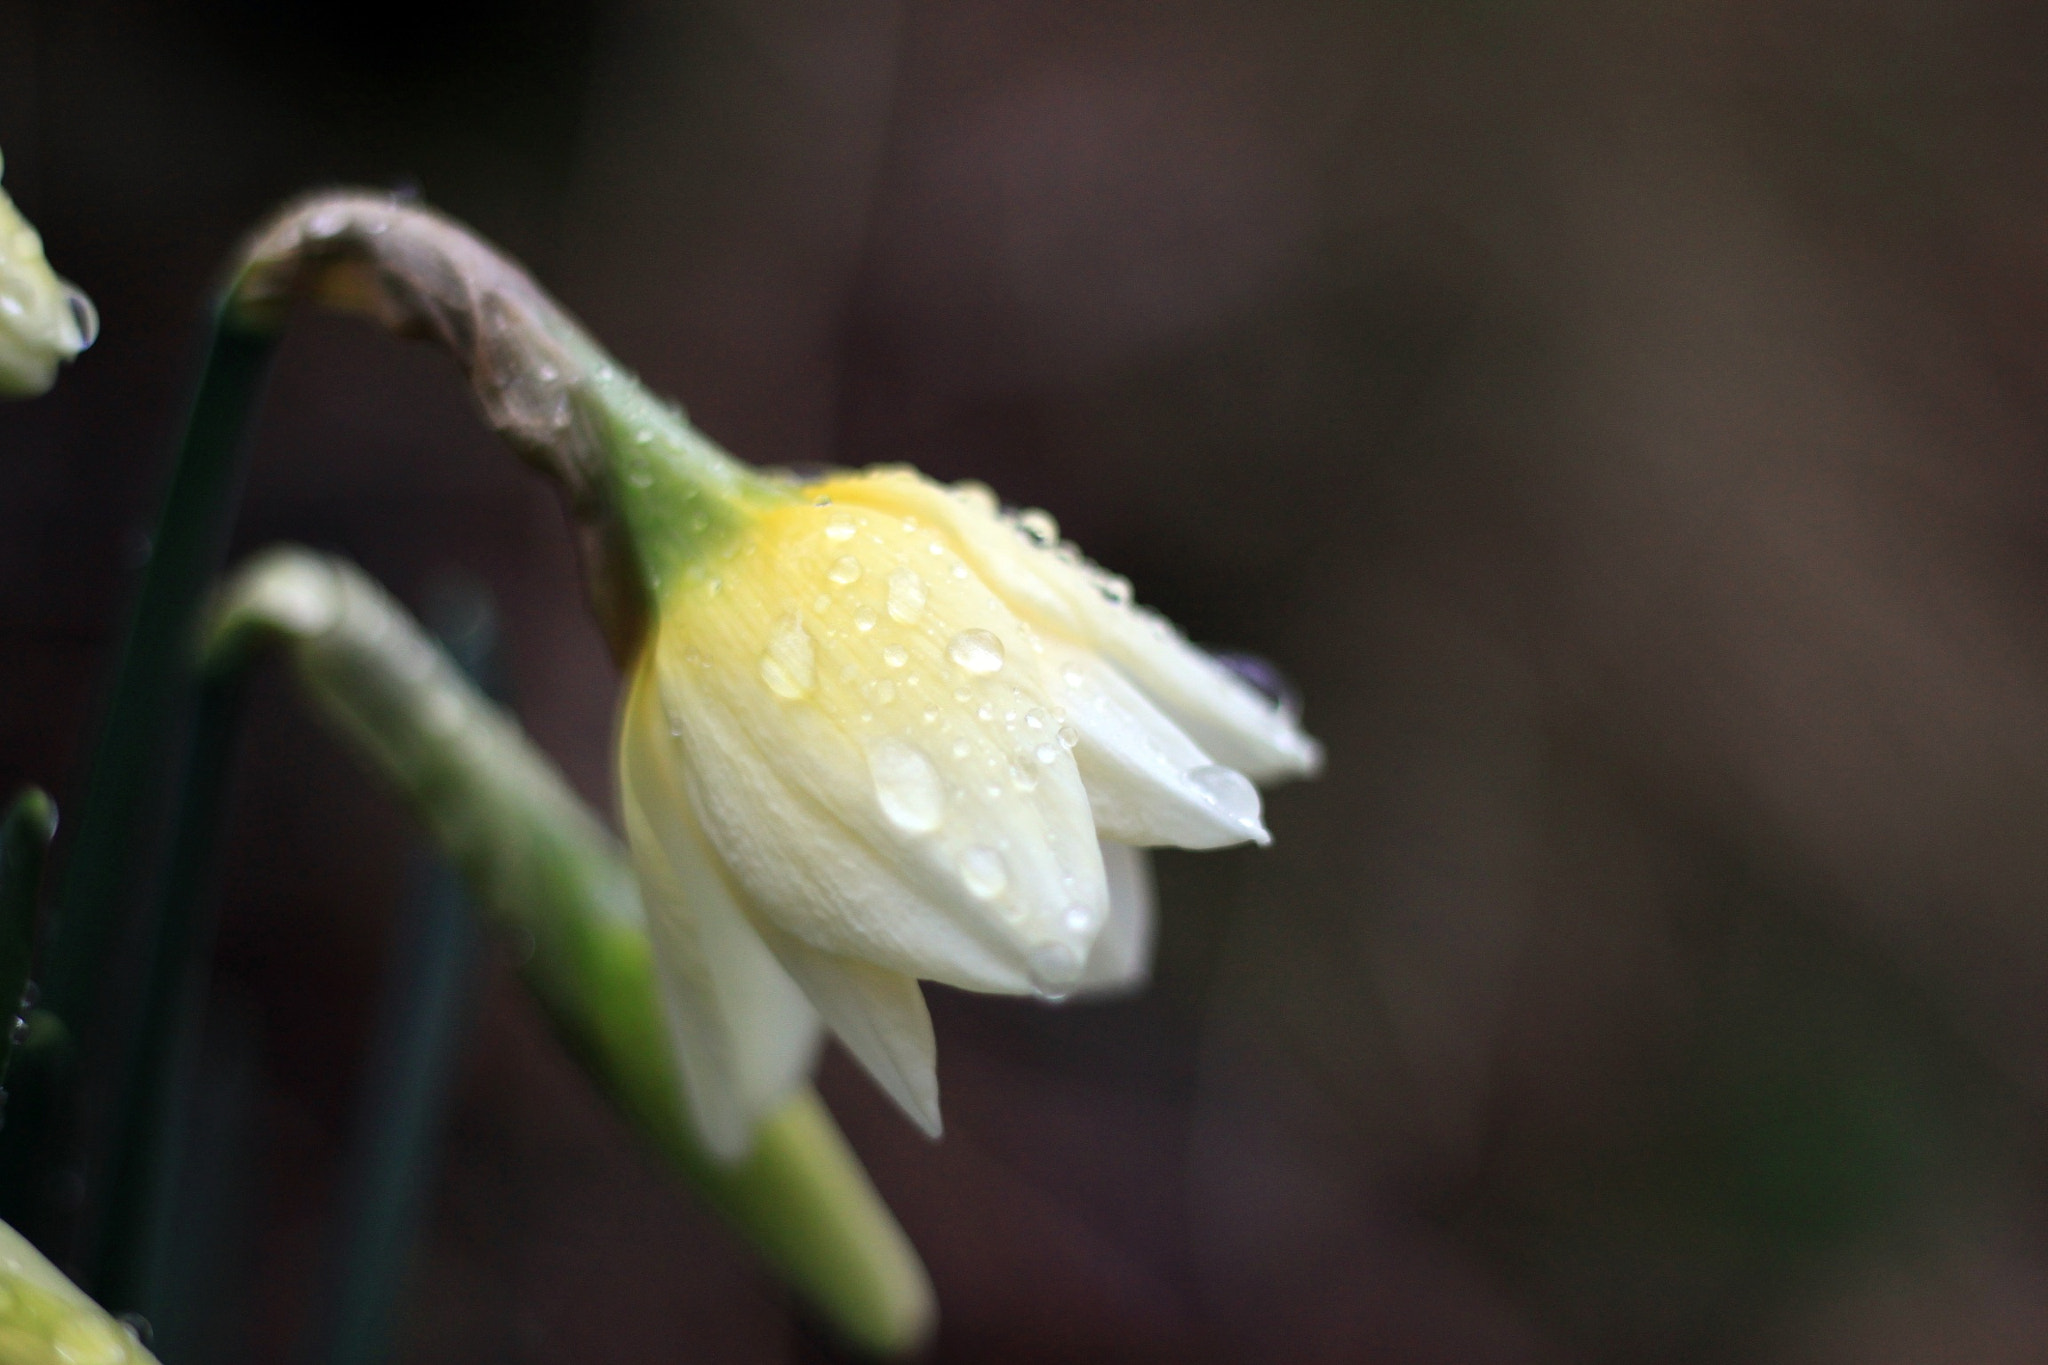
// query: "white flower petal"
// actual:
[[1062, 594], [744, 1035], [880, 1015], [1232, 722], [1148, 783], [1004, 894], [1121, 960]]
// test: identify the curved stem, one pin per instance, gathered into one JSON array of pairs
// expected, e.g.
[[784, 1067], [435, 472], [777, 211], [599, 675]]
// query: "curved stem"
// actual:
[[539, 861], [649, 491]]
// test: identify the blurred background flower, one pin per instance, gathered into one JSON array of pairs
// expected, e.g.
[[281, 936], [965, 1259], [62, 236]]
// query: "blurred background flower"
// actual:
[[44, 321], [1625, 424]]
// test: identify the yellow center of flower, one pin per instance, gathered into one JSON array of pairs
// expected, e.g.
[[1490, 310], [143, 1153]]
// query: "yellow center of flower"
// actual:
[[871, 669]]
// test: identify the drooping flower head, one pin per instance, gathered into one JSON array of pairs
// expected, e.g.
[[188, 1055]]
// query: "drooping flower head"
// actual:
[[898, 734], [877, 730]]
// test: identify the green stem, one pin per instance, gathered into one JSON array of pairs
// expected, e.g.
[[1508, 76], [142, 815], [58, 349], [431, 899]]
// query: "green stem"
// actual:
[[120, 821], [24, 838], [412, 1059], [649, 492], [542, 864], [114, 857], [148, 1139]]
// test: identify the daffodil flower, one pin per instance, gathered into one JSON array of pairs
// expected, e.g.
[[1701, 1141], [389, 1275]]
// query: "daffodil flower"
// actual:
[[887, 733], [44, 320], [877, 731]]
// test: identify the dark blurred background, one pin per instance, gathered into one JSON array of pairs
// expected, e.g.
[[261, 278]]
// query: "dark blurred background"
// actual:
[[1626, 423]]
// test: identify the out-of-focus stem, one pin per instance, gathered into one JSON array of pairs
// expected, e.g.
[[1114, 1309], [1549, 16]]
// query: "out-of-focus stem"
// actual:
[[147, 1141], [25, 835], [403, 1100], [121, 819], [542, 864]]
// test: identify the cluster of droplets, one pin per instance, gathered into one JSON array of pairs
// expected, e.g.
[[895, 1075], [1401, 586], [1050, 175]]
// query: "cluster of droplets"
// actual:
[[1039, 529], [928, 761]]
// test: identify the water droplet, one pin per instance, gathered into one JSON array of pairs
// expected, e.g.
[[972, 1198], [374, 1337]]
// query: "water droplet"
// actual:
[[959, 570], [789, 666], [1069, 736], [985, 712], [644, 436], [1036, 718], [839, 529], [12, 306], [864, 620], [1046, 754], [84, 316], [977, 495], [1228, 790], [961, 748], [1081, 919], [1055, 969], [906, 786], [935, 548], [1264, 678], [1072, 676], [1115, 589], [895, 655], [984, 872], [1022, 778], [845, 569], [1038, 524], [906, 596], [977, 651]]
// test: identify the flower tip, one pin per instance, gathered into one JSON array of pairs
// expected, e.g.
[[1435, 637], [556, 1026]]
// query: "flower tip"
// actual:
[[1056, 969]]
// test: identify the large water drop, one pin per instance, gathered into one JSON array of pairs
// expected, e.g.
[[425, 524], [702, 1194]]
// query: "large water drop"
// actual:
[[977, 651], [790, 664], [1055, 969], [907, 786], [984, 872], [844, 570]]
